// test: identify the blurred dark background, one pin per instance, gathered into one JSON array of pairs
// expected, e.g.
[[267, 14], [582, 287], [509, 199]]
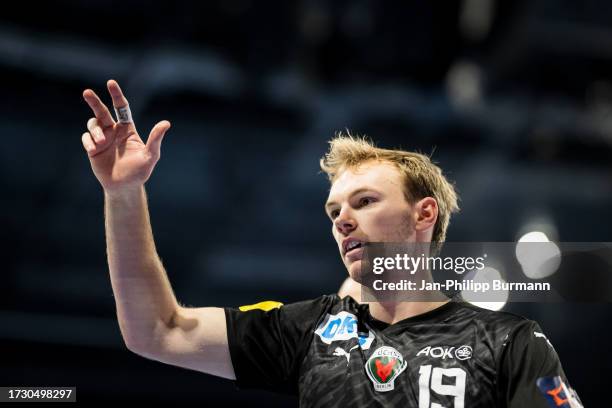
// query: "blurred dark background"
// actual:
[[513, 98]]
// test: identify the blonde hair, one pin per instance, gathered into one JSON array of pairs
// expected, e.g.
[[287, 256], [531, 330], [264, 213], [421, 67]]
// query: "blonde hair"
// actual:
[[422, 177]]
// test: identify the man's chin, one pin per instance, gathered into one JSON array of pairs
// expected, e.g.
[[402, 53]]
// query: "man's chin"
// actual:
[[354, 270]]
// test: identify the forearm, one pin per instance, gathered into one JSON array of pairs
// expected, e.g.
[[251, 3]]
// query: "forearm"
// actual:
[[143, 294]]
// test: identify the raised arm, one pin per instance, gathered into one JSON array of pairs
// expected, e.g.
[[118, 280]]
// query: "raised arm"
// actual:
[[152, 322]]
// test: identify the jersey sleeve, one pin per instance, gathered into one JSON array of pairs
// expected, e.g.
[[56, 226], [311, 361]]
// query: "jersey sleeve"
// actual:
[[268, 346], [530, 373]]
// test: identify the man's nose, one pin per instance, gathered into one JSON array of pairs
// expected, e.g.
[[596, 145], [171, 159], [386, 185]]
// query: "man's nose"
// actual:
[[345, 223]]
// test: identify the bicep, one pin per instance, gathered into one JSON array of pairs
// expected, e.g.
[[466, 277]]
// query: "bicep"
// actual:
[[196, 339]]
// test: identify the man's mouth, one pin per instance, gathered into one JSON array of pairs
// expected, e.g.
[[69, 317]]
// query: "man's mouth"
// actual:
[[353, 246]]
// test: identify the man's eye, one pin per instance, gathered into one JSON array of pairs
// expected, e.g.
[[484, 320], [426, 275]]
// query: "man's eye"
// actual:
[[365, 201]]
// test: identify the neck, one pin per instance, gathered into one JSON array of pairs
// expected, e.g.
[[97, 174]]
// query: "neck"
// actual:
[[391, 309]]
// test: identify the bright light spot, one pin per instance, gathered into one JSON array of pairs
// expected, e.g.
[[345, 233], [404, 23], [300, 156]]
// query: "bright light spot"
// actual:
[[536, 226], [539, 258], [492, 300], [475, 18], [534, 236], [495, 306], [464, 84]]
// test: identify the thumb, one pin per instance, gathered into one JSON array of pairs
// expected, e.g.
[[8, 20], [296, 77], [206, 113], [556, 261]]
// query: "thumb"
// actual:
[[156, 136]]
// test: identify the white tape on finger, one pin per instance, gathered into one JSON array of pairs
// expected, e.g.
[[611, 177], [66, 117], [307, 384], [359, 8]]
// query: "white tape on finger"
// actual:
[[124, 115]]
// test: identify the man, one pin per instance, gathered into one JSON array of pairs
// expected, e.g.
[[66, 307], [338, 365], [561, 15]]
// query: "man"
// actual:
[[330, 351]]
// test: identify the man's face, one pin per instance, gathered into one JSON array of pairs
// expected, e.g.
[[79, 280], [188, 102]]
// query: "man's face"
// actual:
[[367, 204]]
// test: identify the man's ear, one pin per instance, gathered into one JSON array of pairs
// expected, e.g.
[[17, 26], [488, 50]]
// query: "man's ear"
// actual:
[[425, 214]]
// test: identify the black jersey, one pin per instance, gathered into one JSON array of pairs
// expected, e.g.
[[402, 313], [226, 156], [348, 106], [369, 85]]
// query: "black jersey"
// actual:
[[332, 353]]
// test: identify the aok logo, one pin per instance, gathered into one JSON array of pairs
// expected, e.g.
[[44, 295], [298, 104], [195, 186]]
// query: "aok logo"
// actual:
[[342, 326], [460, 353]]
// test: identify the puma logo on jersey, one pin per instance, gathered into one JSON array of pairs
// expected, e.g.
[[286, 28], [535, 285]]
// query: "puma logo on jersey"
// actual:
[[460, 353], [340, 352]]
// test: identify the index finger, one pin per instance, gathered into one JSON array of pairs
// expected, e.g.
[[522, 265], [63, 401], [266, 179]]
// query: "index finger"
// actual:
[[99, 109], [119, 100]]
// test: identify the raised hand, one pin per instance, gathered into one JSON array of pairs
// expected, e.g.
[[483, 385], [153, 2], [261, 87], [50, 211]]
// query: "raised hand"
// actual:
[[119, 158]]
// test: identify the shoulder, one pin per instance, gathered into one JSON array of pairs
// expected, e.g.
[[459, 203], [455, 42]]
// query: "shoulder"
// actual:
[[316, 305], [499, 326], [304, 313], [322, 308], [490, 317]]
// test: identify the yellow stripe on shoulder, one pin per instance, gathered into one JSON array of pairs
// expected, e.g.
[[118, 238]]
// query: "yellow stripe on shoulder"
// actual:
[[265, 306]]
